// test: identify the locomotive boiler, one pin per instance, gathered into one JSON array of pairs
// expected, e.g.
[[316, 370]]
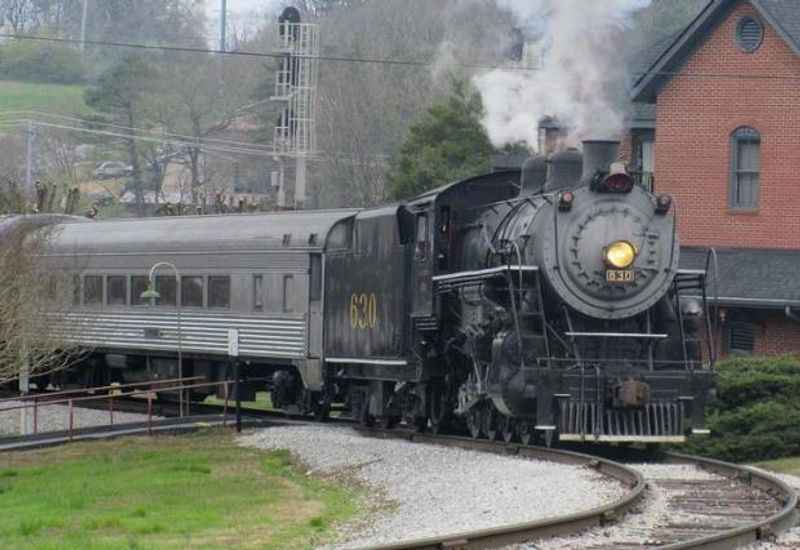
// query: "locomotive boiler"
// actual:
[[541, 303]]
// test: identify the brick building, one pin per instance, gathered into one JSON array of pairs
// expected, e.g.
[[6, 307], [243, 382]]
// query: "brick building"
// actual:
[[717, 125]]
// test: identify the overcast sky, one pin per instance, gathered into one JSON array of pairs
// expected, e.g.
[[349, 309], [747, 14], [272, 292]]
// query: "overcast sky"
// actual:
[[240, 13], [238, 7]]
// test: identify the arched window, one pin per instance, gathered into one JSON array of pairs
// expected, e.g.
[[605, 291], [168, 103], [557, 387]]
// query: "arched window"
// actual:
[[745, 168]]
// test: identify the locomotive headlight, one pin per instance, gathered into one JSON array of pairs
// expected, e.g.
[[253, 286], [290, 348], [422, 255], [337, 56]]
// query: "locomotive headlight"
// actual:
[[620, 254]]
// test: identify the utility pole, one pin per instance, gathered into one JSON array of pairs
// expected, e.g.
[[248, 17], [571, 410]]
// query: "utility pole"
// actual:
[[29, 160], [223, 26], [83, 25]]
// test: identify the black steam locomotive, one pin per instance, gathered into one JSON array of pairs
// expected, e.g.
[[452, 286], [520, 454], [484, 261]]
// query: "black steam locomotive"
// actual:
[[541, 303], [547, 303]]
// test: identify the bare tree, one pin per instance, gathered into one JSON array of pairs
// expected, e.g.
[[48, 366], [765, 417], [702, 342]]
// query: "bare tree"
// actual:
[[365, 109], [35, 338], [199, 98], [20, 14]]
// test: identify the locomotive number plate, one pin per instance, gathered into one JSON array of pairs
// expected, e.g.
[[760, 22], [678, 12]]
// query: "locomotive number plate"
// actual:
[[620, 276]]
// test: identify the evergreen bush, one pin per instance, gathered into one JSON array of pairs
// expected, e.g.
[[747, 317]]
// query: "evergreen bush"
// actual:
[[756, 415]]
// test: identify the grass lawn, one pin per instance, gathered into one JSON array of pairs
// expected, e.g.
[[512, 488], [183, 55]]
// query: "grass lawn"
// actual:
[[789, 465], [55, 98], [263, 402], [197, 490]]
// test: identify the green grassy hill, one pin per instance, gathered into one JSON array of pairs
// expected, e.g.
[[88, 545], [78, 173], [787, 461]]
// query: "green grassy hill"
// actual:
[[31, 96]]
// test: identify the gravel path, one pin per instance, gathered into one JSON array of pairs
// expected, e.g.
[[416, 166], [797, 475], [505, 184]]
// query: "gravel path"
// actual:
[[52, 418], [424, 490]]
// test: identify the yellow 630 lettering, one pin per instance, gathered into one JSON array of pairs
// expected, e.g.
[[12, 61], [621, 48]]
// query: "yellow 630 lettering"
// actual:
[[363, 311]]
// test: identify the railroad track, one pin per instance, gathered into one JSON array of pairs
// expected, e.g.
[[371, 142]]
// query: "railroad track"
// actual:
[[739, 507]]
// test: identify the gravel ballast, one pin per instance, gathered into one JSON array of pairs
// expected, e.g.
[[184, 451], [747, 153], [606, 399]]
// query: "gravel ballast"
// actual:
[[55, 418], [425, 490], [789, 538], [654, 511]]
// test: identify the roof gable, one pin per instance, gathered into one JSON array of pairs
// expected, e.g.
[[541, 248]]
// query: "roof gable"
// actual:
[[782, 15]]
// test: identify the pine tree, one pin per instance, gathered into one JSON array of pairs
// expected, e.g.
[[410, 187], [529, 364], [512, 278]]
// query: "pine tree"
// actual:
[[447, 143]]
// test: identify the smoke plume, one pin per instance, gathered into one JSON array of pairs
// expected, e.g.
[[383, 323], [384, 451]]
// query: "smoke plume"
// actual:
[[576, 47]]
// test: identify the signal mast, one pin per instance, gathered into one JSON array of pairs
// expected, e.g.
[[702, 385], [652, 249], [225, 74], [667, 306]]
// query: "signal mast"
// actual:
[[296, 88]]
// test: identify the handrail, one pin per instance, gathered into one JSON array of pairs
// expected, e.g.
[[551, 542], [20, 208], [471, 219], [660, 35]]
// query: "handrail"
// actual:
[[112, 396], [34, 397], [35, 401]]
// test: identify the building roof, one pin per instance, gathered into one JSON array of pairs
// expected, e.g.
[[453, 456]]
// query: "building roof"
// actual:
[[757, 278], [657, 64]]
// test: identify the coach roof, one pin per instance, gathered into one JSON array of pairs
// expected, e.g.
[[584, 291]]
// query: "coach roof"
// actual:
[[228, 233]]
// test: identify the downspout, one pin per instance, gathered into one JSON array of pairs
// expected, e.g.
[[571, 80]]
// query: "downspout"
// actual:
[[792, 315]]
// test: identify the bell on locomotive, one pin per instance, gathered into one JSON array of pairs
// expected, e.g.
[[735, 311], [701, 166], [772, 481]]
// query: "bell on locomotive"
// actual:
[[594, 333]]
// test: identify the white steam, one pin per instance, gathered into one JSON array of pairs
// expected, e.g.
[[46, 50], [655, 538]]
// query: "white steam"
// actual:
[[581, 78]]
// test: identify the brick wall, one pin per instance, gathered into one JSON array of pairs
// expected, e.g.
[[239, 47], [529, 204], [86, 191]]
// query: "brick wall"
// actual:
[[775, 334], [778, 335], [695, 119]]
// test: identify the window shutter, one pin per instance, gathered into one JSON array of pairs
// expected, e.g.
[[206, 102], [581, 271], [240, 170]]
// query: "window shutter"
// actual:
[[741, 337]]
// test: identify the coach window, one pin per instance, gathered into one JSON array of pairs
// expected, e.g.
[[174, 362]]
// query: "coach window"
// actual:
[[192, 291], [745, 169], [315, 293], [92, 290], [219, 292], [117, 290], [258, 292], [138, 285], [167, 288], [76, 290], [422, 237], [288, 293]]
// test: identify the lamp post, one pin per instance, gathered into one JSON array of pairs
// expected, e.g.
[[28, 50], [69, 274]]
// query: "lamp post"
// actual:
[[152, 294]]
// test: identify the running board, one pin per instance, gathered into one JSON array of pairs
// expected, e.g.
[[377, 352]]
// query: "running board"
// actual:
[[451, 281], [624, 438], [616, 335]]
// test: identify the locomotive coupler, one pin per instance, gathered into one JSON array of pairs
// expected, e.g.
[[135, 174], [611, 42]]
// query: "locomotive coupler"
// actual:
[[630, 394]]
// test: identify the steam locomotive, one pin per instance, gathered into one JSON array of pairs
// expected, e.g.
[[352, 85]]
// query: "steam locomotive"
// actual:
[[544, 303]]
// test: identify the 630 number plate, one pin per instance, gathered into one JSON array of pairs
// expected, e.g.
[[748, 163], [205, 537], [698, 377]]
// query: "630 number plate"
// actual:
[[620, 276]]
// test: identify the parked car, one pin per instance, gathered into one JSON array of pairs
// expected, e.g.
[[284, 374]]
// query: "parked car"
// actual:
[[113, 169]]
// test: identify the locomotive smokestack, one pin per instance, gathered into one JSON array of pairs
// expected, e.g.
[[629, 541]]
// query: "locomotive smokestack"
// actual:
[[598, 155]]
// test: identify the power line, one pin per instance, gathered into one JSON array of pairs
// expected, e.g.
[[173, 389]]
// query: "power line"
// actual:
[[193, 144], [373, 61], [163, 134], [245, 53], [320, 157]]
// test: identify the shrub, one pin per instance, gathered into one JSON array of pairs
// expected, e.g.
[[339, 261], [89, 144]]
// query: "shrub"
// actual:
[[36, 62], [756, 415]]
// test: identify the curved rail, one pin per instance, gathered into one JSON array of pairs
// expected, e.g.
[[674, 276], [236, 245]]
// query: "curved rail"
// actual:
[[765, 529], [533, 530]]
